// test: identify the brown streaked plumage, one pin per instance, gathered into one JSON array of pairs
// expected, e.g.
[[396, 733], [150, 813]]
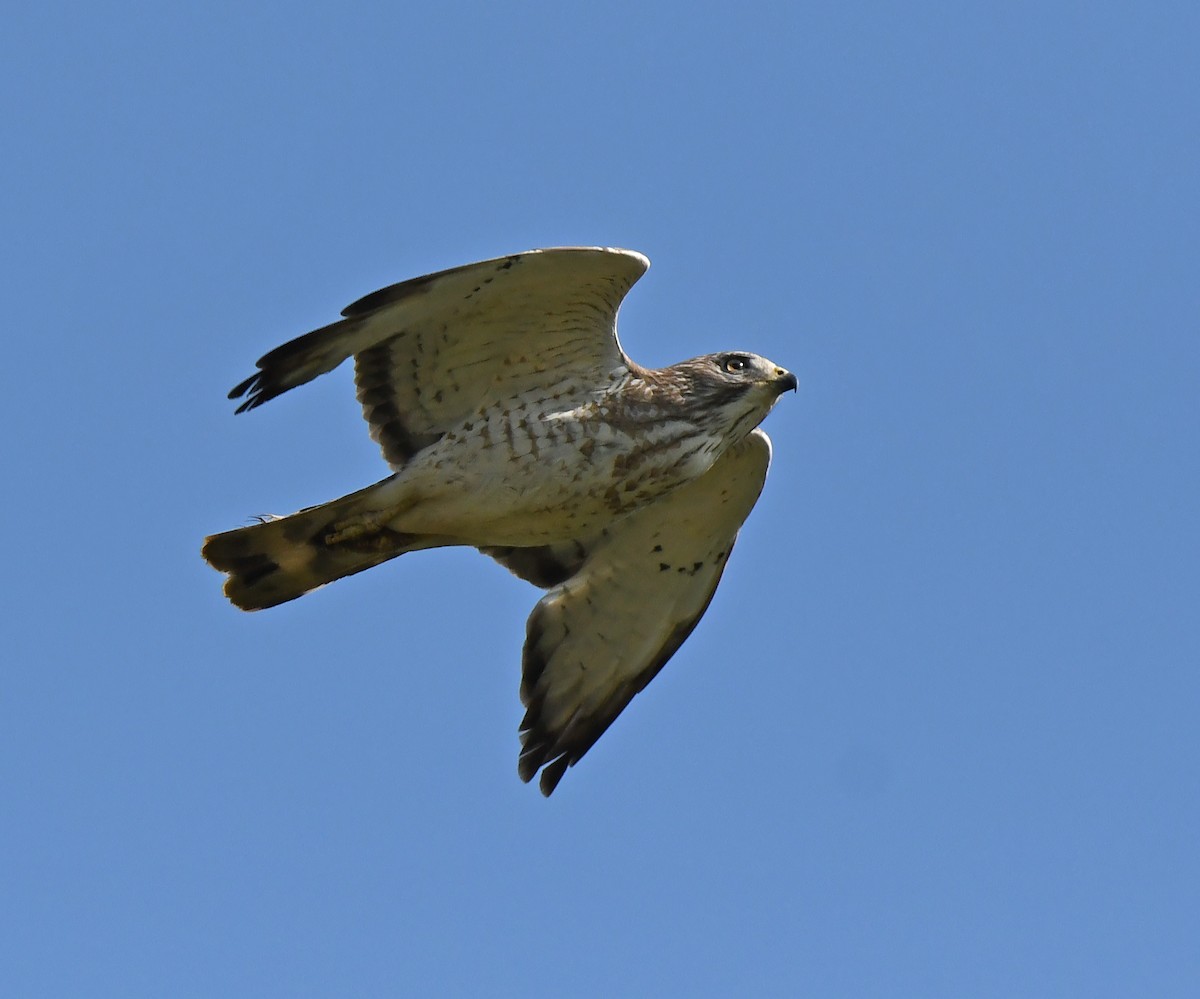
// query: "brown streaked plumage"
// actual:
[[514, 423]]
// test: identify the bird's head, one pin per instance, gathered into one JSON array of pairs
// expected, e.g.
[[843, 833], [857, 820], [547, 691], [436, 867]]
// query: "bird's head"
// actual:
[[737, 387]]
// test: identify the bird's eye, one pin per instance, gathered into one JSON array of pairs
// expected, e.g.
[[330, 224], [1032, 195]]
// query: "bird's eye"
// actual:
[[735, 363]]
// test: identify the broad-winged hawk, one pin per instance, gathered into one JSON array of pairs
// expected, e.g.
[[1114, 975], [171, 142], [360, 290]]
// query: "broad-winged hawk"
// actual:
[[514, 423]]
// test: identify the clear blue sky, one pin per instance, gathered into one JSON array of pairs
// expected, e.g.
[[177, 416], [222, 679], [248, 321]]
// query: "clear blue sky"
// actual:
[[937, 735]]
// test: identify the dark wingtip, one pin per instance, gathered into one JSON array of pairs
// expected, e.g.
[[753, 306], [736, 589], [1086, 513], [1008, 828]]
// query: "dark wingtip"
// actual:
[[552, 774], [255, 390], [534, 757], [241, 388], [252, 389]]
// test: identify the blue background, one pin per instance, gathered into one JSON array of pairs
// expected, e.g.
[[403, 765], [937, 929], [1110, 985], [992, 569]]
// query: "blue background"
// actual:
[[936, 735]]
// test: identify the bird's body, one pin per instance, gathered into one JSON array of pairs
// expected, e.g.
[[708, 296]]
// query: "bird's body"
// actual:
[[515, 424]]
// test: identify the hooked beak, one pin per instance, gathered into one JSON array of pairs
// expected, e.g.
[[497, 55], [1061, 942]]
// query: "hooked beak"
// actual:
[[786, 381]]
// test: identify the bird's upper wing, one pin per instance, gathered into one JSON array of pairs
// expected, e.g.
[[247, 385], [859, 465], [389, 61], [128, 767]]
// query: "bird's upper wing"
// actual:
[[429, 351], [600, 636]]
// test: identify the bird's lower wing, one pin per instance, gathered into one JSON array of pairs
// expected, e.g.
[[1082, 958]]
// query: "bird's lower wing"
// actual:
[[600, 636]]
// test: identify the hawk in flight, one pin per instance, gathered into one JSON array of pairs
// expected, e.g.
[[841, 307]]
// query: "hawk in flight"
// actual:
[[514, 423]]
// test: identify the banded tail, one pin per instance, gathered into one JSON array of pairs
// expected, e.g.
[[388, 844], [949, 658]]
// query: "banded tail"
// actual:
[[285, 557]]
